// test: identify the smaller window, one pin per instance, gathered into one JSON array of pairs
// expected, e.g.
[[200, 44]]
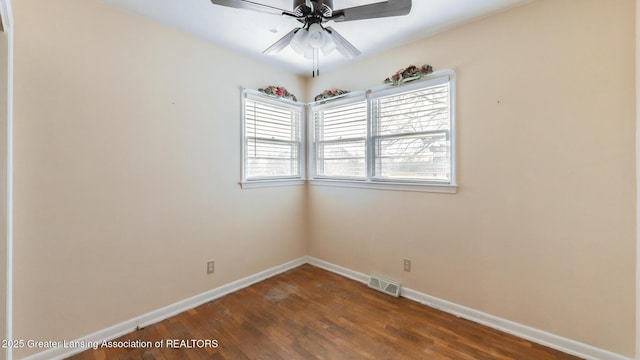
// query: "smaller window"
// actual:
[[272, 140], [341, 140]]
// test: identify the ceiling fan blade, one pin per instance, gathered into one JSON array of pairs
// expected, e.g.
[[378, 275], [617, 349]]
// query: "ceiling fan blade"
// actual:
[[250, 5], [342, 45], [378, 10], [282, 43]]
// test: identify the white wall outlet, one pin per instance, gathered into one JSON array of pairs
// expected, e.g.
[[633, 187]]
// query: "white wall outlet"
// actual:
[[210, 267], [407, 265]]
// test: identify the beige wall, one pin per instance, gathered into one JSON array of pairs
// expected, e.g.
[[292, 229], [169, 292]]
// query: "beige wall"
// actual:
[[637, 178], [127, 159], [542, 229], [4, 67]]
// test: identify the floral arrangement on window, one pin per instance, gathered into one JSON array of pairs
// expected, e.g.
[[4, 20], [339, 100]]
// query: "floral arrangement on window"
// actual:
[[328, 94], [409, 73], [279, 91]]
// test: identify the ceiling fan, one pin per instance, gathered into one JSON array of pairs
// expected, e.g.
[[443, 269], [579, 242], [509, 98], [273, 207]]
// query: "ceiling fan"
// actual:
[[313, 37]]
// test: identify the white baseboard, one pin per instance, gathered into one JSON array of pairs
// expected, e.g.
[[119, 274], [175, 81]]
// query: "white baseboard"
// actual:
[[128, 326], [541, 337], [348, 273], [535, 335]]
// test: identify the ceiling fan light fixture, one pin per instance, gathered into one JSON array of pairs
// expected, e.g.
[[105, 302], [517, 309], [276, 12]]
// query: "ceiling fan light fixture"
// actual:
[[300, 41], [317, 36], [329, 45], [312, 38]]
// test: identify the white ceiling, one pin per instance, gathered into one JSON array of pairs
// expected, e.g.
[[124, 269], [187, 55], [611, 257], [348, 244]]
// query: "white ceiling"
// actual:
[[251, 32]]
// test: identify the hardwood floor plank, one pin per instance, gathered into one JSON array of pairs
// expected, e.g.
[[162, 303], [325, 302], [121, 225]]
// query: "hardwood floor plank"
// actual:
[[309, 313]]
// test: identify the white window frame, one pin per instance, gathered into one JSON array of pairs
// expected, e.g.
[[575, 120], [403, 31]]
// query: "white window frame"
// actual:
[[372, 182], [307, 158], [299, 179], [311, 150]]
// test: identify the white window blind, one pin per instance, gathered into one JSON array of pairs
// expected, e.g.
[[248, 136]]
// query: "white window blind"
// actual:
[[390, 137], [272, 139], [341, 140], [411, 135]]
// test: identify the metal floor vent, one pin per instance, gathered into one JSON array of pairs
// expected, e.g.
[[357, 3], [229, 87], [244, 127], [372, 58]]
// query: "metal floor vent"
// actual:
[[384, 285]]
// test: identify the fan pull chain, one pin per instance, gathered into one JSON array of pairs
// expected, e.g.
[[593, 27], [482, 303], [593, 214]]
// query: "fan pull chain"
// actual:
[[316, 63], [313, 69]]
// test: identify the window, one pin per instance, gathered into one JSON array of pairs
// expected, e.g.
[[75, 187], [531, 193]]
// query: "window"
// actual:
[[393, 137], [397, 138], [272, 140], [341, 140], [411, 134]]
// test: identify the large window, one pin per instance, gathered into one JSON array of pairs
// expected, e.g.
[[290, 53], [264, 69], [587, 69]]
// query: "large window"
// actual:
[[389, 137], [272, 139], [411, 134]]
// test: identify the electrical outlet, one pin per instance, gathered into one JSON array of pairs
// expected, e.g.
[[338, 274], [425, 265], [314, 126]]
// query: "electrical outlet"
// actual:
[[210, 267], [407, 265]]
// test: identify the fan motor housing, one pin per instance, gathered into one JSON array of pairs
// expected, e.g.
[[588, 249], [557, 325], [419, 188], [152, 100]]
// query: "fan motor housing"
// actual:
[[327, 6]]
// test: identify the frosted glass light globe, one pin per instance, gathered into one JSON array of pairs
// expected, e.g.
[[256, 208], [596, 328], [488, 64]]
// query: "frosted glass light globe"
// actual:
[[316, 36]]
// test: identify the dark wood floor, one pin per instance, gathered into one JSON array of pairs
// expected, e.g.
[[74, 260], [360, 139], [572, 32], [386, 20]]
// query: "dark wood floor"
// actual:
[[309, 313]]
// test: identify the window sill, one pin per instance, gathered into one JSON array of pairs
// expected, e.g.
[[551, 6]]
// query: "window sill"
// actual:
[[253, 184], [358, 184], [388, 185]]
